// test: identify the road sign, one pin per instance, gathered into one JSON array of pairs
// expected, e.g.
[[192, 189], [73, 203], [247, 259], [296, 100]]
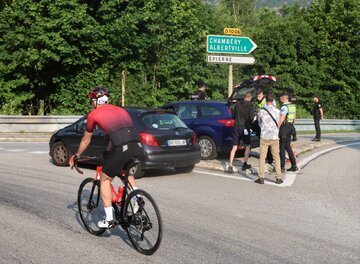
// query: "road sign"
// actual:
[[230, 44], [232, 31], [230, 59]]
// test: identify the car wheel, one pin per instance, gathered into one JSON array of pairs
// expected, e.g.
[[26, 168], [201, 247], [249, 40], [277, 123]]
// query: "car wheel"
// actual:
[[60, 154], [185, 169], [137, 171], [207, 148]]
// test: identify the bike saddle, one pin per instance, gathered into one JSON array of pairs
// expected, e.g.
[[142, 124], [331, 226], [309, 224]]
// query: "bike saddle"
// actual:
[[133, 162]]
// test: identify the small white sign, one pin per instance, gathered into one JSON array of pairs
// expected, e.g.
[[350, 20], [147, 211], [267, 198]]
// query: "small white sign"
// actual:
[[230, 59]]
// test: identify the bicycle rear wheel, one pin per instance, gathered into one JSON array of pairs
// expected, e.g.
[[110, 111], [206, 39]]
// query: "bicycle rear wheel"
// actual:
[[144, 225], [90, 206]]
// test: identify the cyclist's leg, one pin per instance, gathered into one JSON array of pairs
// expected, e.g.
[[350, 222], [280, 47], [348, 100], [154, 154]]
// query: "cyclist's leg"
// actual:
[[110, 170], [105, 191], [135, 150], [132, 181]]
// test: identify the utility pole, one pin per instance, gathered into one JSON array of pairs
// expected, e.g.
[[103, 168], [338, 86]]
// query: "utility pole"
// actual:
[[123, 88]]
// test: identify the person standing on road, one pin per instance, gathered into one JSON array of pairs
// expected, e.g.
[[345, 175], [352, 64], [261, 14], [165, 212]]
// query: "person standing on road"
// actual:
[[244, 116], [260, 103], [124, 144], [293, 101], [269, 138], [200, 93], [318, 114], [287, 116]]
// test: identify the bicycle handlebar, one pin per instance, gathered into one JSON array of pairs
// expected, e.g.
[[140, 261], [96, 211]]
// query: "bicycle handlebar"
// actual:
[[84, 159]]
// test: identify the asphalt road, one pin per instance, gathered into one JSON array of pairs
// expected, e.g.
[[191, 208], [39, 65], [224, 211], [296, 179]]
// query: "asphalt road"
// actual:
[[207, 218]]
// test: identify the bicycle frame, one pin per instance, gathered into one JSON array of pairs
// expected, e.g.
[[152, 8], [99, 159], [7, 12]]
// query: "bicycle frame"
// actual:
[[119, 214]]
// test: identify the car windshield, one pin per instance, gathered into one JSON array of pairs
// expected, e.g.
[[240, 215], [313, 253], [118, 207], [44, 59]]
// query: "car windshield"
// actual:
[[241, 92], [161, 121]]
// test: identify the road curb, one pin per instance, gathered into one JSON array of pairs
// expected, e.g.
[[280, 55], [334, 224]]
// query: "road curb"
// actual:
[[222, 164]]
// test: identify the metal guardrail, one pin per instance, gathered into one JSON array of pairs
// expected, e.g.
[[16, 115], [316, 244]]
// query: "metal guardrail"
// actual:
[[33, 124]]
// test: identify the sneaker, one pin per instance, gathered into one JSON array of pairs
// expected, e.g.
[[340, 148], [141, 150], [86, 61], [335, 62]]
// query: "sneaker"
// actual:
[[231, 169], [246, 167], [106, 224], [279, 181], [316, 139], [294, 168], [260, 181]]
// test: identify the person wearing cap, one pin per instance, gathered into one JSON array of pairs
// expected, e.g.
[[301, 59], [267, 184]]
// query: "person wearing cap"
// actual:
[[318, 114], [200, 93], [287, 117]]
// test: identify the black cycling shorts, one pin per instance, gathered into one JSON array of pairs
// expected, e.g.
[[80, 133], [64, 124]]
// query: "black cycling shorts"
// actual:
[[238, 135], [118, 156]]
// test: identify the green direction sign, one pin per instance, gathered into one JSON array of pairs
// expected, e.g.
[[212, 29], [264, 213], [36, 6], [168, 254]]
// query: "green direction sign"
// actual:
[[230, 44]]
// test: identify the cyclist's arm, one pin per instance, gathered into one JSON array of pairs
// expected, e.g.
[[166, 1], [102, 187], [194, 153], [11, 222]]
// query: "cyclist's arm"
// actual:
[[85, 141]]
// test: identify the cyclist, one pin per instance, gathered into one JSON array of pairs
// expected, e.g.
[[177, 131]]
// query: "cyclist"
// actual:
[[124, 144]]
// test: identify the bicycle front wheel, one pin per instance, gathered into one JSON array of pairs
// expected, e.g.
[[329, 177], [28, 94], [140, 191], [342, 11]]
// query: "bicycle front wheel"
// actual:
[[144, 226], [90, 206]]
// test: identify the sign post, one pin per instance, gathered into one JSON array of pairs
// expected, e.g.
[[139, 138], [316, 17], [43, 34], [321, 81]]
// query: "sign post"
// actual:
[[225, 59], [227, 45], [230, 80], [123, 88], [230, 44]]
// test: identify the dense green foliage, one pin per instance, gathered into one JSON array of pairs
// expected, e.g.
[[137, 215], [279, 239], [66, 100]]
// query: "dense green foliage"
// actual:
[[55, 51]]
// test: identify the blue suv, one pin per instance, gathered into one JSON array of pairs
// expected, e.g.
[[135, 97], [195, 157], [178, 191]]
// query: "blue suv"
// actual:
[[212, 122]]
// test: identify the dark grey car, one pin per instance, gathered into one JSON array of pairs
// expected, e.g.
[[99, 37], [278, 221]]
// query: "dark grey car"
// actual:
[[167, 141]]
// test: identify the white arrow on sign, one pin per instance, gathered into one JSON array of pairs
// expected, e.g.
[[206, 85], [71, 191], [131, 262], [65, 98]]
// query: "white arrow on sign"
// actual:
[[230, 59]]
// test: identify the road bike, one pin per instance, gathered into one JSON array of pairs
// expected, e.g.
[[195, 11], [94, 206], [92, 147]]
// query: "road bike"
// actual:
[[135, 210]]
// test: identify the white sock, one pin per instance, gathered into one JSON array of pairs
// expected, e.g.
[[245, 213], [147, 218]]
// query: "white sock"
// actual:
[[109, 213]]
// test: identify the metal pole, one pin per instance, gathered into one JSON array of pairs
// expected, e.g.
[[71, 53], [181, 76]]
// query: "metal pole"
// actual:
[[123, 88], [230, 80]]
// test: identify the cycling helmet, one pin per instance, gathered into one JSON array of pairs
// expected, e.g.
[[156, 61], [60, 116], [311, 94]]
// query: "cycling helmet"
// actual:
[[99, 94]]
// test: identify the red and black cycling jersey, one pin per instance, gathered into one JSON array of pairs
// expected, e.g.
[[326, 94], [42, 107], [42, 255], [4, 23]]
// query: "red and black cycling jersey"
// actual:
[[114, 121]]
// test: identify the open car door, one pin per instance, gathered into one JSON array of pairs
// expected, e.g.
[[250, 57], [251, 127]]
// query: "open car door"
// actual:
[[263, 82]]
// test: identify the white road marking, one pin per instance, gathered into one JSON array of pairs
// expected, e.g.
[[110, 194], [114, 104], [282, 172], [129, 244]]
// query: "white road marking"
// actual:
[[240, 178], [15, 150], [306, 160], [39, 152], [289, 178]]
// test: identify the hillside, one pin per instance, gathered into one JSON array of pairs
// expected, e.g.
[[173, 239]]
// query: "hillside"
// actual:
[[269, 3], [280, 3]]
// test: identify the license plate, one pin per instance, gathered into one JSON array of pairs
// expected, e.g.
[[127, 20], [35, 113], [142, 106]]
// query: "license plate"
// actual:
[[177, 142]]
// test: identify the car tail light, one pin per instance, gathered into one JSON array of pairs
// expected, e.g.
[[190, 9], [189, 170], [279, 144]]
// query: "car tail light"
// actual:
[[227, 122], [148, 139], [194, 139]]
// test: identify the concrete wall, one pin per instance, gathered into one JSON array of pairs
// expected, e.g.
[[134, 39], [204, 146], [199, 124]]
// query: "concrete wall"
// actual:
[[53, 123]]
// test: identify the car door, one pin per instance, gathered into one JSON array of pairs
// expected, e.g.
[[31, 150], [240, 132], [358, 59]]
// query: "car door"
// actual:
[[189, 114], [98, 140]]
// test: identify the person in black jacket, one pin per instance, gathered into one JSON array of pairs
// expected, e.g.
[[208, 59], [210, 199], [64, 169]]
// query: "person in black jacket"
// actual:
[[244, 117], [318, 114], [200, 93]]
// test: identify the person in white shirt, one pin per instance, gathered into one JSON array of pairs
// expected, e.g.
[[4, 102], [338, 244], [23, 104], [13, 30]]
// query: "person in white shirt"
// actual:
[[269, 138]]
